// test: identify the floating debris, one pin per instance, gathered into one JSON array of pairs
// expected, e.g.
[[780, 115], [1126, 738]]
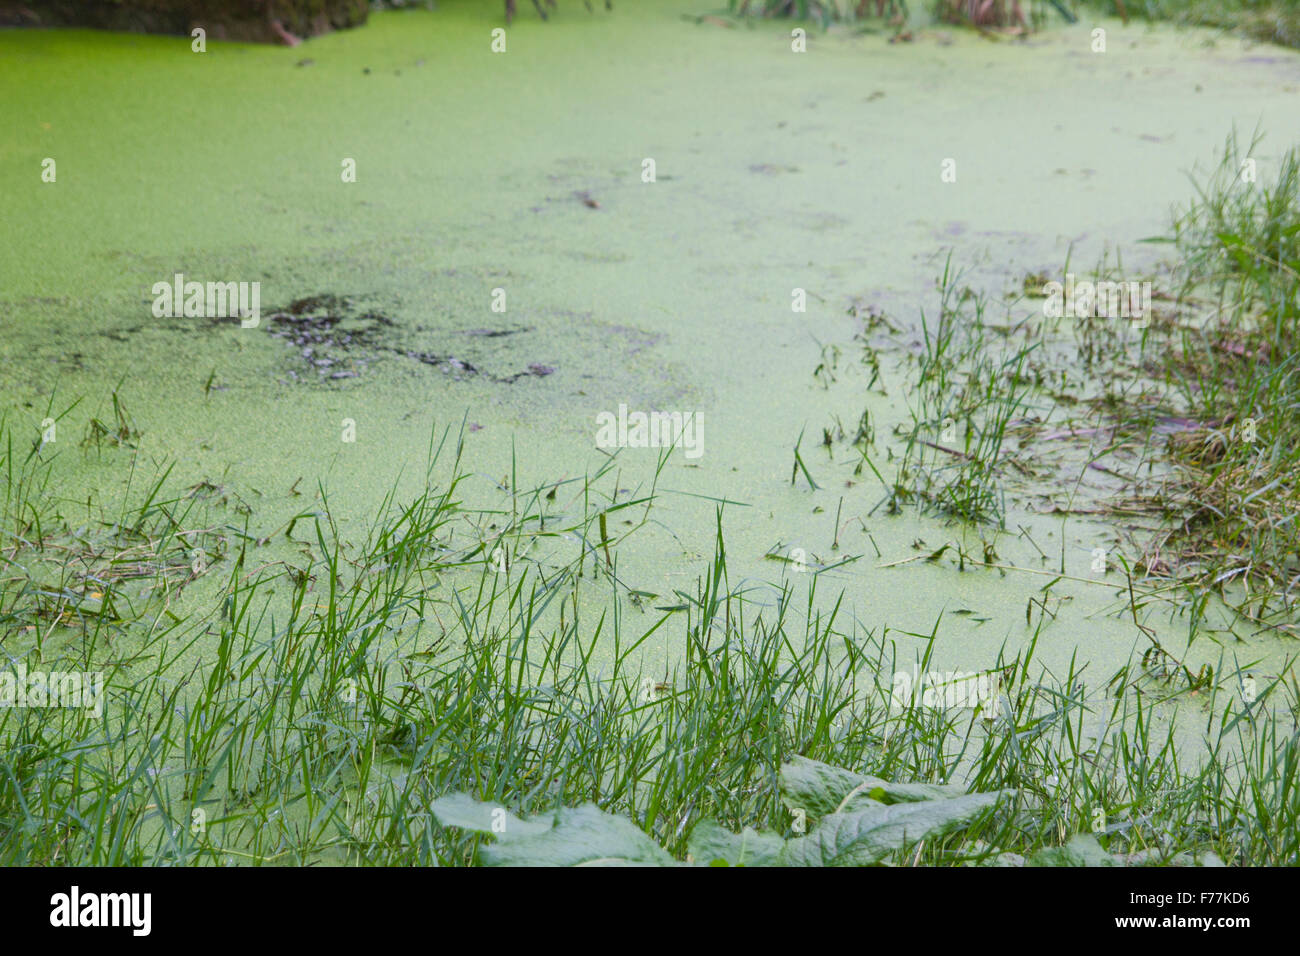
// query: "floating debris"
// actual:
[[496, 333]]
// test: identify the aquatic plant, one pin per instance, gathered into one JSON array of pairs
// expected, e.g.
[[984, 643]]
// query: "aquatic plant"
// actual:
[[961, 385]]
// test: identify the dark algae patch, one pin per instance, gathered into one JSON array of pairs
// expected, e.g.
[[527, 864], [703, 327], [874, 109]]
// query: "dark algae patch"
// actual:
[[329, 336], [336, 338]]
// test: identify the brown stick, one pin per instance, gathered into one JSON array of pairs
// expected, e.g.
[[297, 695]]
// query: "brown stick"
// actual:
[[950, 451]]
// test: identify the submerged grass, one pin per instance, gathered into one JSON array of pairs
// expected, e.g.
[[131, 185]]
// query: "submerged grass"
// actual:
[[313, 713], [963, 397]]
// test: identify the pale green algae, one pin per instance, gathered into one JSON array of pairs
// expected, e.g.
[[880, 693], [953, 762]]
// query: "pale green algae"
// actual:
[[775, 171]]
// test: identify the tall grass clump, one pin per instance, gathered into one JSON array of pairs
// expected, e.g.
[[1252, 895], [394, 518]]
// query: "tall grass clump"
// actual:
[[1232, 361], [964, 395]]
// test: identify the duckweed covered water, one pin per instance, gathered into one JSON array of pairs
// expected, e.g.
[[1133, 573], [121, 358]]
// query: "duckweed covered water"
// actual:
[[523, 172]]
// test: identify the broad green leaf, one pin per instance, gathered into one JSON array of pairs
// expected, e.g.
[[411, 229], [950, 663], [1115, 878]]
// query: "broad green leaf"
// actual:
[[1003, 860], [886, 792], [462, 810], [992, 857], [821, 789], [710, 843], [586, 836], [1083, 850], [816, 787], [867, 836], [1155, 858]]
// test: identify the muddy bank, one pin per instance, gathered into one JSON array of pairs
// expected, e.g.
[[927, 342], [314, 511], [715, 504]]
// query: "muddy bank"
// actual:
[[280, 21]]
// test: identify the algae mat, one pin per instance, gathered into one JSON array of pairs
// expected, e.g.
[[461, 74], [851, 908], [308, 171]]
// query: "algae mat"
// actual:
[[516, 179]]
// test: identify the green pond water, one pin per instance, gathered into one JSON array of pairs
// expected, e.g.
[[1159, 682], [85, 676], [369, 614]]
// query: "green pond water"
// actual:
[[774, 170]]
